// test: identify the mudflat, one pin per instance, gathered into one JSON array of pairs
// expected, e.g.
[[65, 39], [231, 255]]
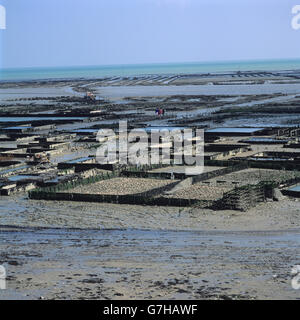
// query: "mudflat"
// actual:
[[65, 250]]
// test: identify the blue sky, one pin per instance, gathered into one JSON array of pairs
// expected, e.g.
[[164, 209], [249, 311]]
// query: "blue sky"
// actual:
[[105, 32]]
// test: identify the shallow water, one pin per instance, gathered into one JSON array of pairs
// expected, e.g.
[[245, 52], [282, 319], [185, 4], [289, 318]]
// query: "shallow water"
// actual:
[[236, 130], [21, 177], [178, 238], [296, 188], [79, 160], [21, 93], [167, 70], [262, 139], [30, 119], [13, 169], [146, 91]]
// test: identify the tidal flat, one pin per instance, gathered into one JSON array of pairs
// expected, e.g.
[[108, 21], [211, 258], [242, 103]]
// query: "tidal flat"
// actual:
[[80, 250]]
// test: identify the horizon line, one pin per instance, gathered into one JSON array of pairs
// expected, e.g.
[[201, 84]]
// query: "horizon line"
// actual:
[[154, 63]]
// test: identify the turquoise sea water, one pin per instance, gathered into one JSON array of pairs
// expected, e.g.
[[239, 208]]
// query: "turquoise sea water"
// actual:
[[146, 69], [296, 188]]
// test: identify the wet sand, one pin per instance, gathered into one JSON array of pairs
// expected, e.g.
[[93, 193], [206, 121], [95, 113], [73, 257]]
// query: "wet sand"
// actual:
[[20, 212], [136, 264], [137, 252]]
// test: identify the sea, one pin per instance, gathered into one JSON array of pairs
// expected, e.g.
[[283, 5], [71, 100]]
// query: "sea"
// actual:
[[21, 74]]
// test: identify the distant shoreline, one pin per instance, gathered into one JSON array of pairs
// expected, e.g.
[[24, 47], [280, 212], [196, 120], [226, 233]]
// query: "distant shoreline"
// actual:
[[88, 79], [144, 70]]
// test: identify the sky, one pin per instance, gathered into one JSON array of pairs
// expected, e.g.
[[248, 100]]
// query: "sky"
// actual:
[[42, 33]]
